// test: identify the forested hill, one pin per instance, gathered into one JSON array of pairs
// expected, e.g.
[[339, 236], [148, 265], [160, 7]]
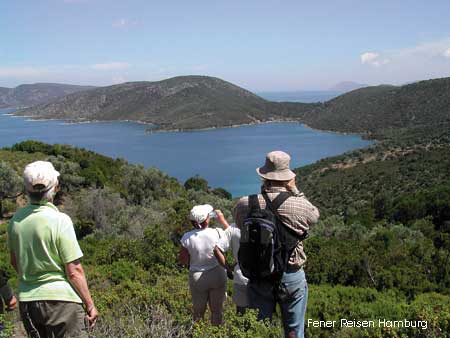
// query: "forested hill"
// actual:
[[185, 102], [407, 163], [196, 102], [372, 109], [32, 94]]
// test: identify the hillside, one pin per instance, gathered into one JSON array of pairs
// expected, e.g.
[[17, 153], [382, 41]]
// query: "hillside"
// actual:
[[187, 102], [129, 220], [403, 164], [373, 109], [32, 94], [197, 102]]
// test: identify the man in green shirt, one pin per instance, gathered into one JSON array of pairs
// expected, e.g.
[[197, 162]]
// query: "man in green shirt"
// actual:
[[46, 255]]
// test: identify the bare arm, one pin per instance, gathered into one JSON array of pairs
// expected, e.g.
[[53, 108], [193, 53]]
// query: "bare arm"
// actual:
[[75, 273], [183, 256], [221, 219], [220, 257]]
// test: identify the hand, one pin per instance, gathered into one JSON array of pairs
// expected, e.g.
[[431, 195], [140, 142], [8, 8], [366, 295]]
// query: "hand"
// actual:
[[12, 304], [291, 185], [92, 316], [221, 218]]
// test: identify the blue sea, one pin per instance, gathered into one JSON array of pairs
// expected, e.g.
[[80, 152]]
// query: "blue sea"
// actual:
[[306, 96], [225, 157]]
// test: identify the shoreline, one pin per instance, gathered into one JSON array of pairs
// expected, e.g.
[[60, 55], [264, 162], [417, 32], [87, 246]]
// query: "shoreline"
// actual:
[[181, 130], [188, 130], [32, 118]]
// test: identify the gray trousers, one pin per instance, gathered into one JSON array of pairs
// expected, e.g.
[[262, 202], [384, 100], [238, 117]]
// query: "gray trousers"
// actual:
[[208, 287], [54, 319]]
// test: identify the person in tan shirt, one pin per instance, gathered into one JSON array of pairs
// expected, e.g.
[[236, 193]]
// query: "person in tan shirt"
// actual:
[[298, 214]]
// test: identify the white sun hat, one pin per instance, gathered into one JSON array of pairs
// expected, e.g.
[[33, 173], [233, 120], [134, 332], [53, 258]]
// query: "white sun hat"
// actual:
[[200, 213], [40, 176]]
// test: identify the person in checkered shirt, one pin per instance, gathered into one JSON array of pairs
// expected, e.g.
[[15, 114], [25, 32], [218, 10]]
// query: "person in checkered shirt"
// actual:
[[298, 214]]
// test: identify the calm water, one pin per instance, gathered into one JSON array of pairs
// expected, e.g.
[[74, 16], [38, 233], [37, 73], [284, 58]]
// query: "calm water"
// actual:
[[225, 157], [308, 96]]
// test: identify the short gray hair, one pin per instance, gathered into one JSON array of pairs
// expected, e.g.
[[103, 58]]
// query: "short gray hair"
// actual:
[[48, 195]]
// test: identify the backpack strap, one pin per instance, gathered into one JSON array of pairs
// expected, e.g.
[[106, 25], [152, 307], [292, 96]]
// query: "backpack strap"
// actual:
[[275, 205], [253, 202], [277, 202]]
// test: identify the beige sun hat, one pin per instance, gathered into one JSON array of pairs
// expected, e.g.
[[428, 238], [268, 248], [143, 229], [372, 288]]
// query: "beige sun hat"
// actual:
[[40, 176], [200, 213], [276, 167]]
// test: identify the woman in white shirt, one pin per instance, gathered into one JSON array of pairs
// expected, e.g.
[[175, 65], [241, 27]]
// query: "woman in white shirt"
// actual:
[[207, 279]]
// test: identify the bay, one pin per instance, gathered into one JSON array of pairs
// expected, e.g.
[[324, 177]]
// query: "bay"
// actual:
[[305, 96], [225, 157]]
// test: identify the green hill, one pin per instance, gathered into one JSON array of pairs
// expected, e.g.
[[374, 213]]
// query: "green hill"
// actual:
[[403, 164], [373, 109], [32, 94], [185, 102]]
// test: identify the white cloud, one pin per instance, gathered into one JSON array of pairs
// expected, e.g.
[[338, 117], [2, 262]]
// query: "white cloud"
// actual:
[[369, 57], [373, 59], [111, 66], [124, 23], [425, 60], [446, 53]]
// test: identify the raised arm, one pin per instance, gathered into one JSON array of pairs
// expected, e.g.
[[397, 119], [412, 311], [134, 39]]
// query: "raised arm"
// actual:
[[76, 276], [221, 219]]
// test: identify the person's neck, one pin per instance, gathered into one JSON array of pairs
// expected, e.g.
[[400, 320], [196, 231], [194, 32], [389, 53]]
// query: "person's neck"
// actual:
[[273, 188], [40, 202]]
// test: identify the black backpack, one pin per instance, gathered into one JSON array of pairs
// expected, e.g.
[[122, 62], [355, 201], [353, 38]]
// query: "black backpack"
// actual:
[[266, 244]]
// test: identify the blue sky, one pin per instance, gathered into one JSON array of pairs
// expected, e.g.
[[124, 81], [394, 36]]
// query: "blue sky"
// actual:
[[263, 45]]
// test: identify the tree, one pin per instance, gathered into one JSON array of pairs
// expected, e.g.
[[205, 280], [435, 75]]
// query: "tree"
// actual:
[[196, 183], [10, 184], [221, 192]]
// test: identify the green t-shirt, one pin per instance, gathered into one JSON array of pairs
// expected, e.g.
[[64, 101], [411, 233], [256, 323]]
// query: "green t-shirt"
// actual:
[[43, 240]]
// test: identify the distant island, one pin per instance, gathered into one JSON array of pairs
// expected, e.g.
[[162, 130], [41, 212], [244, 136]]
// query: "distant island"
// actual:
[[201, 102]]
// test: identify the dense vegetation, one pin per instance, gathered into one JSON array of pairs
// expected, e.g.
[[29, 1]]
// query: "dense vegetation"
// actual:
[[381, 249], [373, 109], [184, 102]]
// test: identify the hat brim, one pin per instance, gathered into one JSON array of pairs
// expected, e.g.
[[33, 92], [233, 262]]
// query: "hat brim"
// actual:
[[282, 175]]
